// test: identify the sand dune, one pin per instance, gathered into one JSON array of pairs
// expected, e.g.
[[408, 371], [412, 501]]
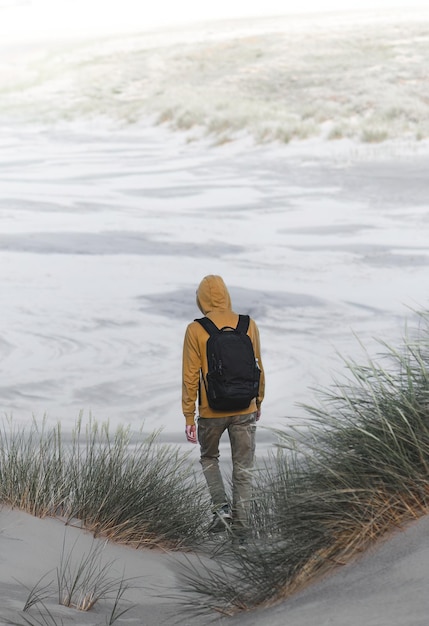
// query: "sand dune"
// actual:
[[387, 586]]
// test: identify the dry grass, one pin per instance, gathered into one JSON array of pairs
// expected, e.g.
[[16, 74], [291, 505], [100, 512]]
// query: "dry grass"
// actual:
[[135, 492], [356, 472], [342, 79]]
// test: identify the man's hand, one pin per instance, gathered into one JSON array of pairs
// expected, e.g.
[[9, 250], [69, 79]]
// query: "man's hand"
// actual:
[[258, 415], [191, 433]]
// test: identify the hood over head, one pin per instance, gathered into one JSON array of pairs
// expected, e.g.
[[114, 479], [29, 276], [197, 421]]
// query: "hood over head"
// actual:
[[212, 294]]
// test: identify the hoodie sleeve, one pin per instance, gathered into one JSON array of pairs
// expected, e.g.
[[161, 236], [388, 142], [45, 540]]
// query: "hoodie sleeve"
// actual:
[[191, 366]]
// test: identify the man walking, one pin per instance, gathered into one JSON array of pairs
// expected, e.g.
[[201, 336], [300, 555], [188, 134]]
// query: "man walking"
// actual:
[[214, 301]]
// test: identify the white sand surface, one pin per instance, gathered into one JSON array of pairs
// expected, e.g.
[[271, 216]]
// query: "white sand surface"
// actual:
[[31, 548], [387, 586], [107, 225], [104, 237]]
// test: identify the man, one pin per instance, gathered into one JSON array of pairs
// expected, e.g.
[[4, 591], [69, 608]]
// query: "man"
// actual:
[[214, 301]]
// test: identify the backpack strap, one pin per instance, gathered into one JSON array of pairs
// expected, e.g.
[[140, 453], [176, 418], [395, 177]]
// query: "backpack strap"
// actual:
[[208, 325], [243, 324]]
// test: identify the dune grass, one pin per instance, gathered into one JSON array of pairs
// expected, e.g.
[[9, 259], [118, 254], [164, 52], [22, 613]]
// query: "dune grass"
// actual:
[[83, 584], [358, 469], [291, 79], [80, 584], [135, 492]]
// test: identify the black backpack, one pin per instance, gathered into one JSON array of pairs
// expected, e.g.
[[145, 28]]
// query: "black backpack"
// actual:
[[233, 373]]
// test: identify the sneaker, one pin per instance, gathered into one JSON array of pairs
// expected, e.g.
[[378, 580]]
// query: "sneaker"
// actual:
[[239, 543], [222, 520]]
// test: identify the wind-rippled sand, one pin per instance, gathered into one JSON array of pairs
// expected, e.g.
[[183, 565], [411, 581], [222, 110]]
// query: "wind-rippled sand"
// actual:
[[105, 234]]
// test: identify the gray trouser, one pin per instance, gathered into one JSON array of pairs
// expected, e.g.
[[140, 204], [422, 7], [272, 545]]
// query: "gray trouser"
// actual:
[[241, 431]]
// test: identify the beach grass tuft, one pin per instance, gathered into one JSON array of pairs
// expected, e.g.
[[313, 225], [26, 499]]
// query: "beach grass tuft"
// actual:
[[355, 471], [132, 491], [80, 585]]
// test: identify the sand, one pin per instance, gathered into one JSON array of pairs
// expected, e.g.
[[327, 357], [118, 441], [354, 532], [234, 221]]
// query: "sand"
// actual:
[[106, 228], [386, 586], [31, 548]]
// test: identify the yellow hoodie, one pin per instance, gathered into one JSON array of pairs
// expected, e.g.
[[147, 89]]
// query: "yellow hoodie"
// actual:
[[214, 301]]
